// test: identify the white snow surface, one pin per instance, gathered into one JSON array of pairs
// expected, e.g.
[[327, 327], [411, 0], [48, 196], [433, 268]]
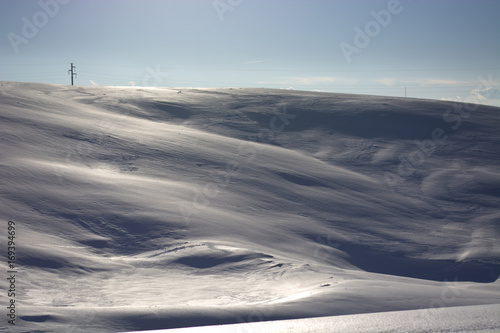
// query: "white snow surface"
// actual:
[[160, 208], [477, 318]]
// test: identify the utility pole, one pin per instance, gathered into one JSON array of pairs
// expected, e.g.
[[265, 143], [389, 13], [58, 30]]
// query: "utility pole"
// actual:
[[405, 92], [73, 72]]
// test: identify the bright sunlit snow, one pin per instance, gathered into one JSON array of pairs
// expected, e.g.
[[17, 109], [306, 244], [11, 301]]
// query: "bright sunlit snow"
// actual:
[[156, 208], [479, 318]]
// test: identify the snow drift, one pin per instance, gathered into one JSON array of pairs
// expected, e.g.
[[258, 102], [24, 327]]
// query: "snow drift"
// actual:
[[149, 208]]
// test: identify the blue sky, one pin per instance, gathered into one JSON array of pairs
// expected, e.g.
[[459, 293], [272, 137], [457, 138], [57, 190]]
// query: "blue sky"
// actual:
[[447, 49]]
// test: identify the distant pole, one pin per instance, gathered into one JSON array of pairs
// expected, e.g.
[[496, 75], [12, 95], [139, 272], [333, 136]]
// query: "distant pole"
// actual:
[[72, 71], [405, 92]]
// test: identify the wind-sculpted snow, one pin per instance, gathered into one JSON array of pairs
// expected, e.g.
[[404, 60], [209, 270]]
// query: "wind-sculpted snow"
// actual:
[[150, 208]]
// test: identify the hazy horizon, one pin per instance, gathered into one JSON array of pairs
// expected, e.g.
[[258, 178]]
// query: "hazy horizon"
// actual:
[[432, 49]]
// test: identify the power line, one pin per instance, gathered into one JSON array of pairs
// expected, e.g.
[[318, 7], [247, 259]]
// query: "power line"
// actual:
[[236, 69]]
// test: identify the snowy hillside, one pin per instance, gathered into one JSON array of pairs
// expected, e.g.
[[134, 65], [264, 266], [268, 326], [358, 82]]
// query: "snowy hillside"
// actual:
[[151, 208]]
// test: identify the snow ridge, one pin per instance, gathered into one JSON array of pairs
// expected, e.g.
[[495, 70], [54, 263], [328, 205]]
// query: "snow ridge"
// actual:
[[146, 208]]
